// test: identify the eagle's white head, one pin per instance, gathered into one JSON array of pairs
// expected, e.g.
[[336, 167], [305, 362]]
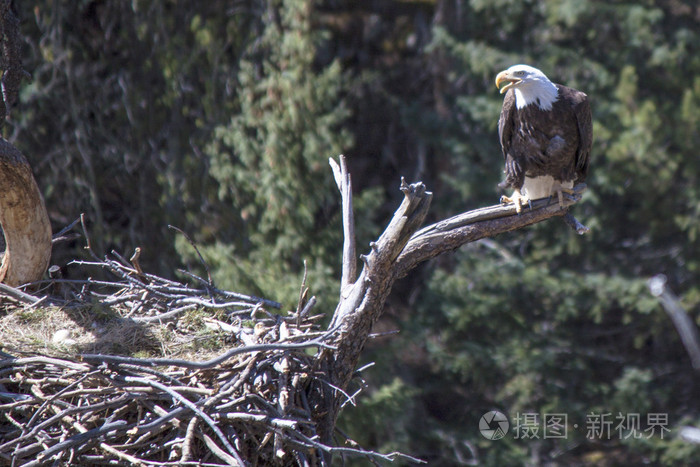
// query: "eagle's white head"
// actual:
[[531, 86]]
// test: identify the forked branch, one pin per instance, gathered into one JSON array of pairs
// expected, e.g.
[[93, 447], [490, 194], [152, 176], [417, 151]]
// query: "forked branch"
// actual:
[[399, 249]]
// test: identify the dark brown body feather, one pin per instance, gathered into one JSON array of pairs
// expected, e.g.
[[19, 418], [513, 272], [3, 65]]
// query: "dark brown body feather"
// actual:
[[554, 142]]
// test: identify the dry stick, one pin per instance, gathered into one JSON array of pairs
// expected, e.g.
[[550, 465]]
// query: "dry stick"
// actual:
[[273, 422], [61, 236], [164, 316], [225, 293], [354, 313], [124, 263], [18, 362], [181, 464], [369, 454], [77, 440], [132, 280], [165, 288], [65, 412], [135, 261], [194, 245], [187, 443], [303, 290], [101, 391], [344, 183], [88, 242], [115, 452], [575, 224], [251, 298], [161, 420], [171, 379], [210, 304], [283, 398], [218, 452], [121, 271], [18, 294], [206, 418], [53, 397], [495, 212], [206, 364]]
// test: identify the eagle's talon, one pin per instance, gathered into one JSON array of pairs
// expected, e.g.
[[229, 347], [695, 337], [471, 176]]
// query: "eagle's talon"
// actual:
[[516, 198], [564, 193], [568, 191], [560, 195]]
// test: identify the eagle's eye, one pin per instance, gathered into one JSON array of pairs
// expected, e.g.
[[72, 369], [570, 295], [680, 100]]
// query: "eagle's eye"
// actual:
[[519, 73]]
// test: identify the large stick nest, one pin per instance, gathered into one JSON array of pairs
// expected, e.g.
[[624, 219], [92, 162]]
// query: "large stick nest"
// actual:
[[67, 399]]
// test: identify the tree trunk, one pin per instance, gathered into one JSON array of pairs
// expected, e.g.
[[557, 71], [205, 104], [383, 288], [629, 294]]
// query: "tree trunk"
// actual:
[[24, 220], [23, 216]]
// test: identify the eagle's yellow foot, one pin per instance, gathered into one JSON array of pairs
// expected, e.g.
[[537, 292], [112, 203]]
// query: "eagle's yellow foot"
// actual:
[[560, 190], [518, 199]]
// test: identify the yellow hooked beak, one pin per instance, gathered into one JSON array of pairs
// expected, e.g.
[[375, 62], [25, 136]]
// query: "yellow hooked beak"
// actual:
[[504, 76]]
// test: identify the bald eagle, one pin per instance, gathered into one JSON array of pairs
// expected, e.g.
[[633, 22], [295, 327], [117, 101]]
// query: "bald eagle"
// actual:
[[546, 135]]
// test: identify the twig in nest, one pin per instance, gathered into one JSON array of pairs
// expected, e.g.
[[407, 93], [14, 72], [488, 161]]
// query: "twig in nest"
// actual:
[[303, 291], [135, 262], [209, 363], [61, 236], [19, 295], [88, 243], [196, 249], [206, 418]]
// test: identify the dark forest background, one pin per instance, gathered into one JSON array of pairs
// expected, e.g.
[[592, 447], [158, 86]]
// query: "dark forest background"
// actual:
[[218, 117]]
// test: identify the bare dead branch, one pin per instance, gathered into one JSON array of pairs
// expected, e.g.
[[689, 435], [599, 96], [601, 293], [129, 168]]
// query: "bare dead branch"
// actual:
[[474, 225], [18, 294], [206, 364], [344, 183], [399, 249], [88, 242]]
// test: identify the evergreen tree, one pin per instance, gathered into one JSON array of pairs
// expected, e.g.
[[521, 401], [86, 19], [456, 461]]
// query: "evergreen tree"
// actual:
[[271, 159], [122, 99]]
